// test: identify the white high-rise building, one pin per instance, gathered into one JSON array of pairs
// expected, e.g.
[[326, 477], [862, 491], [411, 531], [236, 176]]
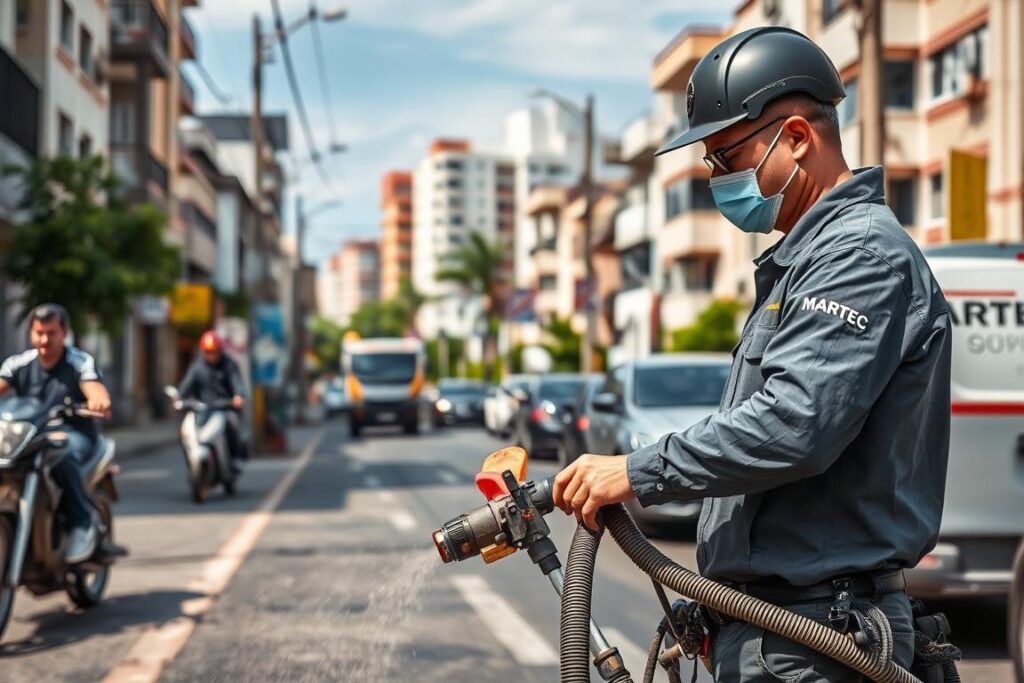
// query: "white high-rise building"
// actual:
[[457, 190]]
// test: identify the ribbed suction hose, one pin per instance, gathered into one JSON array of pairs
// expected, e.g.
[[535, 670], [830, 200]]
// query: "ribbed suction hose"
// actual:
[[651, 561]]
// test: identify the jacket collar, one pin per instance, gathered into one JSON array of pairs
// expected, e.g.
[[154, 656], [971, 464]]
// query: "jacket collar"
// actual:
[[866, 185]]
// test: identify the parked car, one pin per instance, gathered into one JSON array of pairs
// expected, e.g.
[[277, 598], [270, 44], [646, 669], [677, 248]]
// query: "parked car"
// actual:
[[983, 510], [641, 400], [459, 401], [538, 420], [501, 404], [333, 396], [576, 419]]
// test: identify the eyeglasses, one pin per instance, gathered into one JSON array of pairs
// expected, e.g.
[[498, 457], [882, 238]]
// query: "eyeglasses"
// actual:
[[716, 158]]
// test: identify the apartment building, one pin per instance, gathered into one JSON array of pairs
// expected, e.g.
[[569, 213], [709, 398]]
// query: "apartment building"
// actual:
[[950, 88], [349, 279], [19, 145], [457, 190], [396, 232]]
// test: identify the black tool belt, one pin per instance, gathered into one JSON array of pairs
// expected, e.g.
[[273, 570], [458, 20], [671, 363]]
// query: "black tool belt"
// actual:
[[865, 586]]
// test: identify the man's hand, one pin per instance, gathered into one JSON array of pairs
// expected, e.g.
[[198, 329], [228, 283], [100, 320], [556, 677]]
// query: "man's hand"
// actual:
[[99, 405], [590, 483], [237, 402]]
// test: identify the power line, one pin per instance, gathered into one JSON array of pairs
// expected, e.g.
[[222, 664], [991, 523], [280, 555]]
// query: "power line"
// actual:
[[211, 85], [293, 85], [322, 68], [217, 43]]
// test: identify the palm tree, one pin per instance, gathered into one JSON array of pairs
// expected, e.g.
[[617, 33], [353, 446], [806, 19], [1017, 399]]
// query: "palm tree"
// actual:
[[476, 266]]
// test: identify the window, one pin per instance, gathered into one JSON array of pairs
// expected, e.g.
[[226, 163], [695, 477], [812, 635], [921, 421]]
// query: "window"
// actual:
[[830, 9], [84, 147], [899, 85], [454, 184], [847, 109], [67, 27], [692, 274], [66, 132], [548, 282], [635, 265], [901, 199], [85, 61], [454, 165], [556, 169], [456, 220], [936, 195], [122, 122], [688, 194], [23, 14], [952, 66]]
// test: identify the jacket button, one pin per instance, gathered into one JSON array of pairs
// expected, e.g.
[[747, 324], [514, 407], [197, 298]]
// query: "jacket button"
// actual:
[[660, 486]]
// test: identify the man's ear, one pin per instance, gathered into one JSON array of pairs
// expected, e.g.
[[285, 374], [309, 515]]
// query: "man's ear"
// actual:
[[801, 136]]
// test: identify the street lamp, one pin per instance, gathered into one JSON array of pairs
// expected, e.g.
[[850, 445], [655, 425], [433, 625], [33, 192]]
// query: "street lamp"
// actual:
[[586, 183]]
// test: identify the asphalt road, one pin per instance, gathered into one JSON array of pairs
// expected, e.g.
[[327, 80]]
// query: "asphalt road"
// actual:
[[341, 582]]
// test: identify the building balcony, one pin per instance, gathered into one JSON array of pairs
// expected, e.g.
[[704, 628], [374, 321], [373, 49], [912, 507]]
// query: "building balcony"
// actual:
[[674, 64], [691, 233], [630, 226], [137, 32], [186, 93], [639, 142], [143, 176], [188, 39]]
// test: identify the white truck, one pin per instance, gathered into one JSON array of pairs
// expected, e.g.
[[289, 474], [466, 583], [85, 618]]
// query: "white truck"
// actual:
[[383, 379], [983, 516]]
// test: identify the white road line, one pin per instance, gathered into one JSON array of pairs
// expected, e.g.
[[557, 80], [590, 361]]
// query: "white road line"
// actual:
[[159, 645], [143, 475], [448, 477], [525, 645], [373, 481], [387, 496], [402, 520], [634, 655]]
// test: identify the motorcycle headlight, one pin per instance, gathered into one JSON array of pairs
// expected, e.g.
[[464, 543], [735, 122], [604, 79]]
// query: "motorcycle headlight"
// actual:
[[13, 436]]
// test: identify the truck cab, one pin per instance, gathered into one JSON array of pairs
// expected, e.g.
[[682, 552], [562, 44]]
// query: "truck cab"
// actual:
[[383, 379]]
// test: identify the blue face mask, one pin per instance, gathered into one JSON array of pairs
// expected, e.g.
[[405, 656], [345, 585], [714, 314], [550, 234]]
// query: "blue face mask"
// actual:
[[738, 197]]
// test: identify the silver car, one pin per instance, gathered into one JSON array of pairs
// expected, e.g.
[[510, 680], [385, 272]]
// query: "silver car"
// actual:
[[641, 400]]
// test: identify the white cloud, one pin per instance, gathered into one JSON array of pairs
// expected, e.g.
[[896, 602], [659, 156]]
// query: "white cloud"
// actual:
[[601, 39]]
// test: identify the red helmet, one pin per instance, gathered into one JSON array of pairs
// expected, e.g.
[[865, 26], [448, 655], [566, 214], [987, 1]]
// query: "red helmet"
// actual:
[[210, 342]]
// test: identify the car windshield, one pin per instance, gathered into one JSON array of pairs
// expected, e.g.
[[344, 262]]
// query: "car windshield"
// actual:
[[384, 368], [679, 385], [559, 391]]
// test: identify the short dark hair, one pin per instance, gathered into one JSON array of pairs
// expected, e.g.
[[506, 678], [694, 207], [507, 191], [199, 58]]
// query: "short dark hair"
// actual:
[[821, 115], [45, 313]]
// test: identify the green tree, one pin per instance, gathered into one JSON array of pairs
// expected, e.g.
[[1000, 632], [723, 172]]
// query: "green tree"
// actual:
[[84, 246], [325, 336], [380, 319], [714, 329], [563, 345], [476, 267]]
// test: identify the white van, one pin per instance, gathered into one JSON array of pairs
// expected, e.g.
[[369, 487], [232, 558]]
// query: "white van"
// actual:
[[983, 517]]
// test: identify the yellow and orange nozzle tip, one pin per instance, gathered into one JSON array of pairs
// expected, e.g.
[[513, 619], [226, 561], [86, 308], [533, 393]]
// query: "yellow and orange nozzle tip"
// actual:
[[489, 479]]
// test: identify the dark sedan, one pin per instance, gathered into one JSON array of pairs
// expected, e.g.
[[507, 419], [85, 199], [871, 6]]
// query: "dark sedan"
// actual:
[[576, 420], [539, 422], [459, 402]]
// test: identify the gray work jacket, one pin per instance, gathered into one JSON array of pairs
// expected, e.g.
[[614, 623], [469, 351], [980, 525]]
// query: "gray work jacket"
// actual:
[[828, 455]]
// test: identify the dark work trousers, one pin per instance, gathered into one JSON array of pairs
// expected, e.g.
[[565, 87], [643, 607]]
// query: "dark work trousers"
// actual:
[[74, 502]]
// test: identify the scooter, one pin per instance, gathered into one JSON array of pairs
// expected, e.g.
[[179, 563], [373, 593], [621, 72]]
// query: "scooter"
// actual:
[[204, 442], [513, 520], [32, 535]]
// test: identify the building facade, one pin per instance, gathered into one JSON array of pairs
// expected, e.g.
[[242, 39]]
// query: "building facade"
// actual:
[[349, 279], [396, 232]]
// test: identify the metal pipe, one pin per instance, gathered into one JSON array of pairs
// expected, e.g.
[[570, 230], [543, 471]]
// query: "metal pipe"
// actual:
[[21, 534]]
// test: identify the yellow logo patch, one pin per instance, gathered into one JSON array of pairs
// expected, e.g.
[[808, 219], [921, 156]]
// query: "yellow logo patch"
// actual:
[[772, 307]]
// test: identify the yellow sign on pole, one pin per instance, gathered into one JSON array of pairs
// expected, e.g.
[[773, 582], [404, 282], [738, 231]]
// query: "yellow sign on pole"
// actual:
[[191, 304], [968, 196]]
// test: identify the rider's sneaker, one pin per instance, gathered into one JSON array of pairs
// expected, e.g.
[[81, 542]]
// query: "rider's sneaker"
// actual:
[[237, 466], [81, 544]]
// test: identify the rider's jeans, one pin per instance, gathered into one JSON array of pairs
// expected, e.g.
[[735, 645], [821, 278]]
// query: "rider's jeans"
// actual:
[[74, 502]]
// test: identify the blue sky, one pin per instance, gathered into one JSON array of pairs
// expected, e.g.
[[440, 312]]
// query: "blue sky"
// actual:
[[402, 72]]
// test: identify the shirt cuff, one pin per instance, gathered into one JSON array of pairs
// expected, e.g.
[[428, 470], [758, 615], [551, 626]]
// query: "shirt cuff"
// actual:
[[646, 473]]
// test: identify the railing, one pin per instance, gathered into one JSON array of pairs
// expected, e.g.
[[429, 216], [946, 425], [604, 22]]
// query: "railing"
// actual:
[[157, 171], [188, 35], [19, 123], [131, 20], [124, 159], [188, 91]]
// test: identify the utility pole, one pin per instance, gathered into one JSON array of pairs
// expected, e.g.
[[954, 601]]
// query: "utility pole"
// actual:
[[256, 133], [590, 286], [871, 88], [299, 313]]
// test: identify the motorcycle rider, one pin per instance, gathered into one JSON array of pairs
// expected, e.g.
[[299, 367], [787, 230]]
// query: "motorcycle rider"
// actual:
[[51, 372], [213, 377]]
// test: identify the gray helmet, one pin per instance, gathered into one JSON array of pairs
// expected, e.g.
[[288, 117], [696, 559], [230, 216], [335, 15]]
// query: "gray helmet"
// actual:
[[746, 71]]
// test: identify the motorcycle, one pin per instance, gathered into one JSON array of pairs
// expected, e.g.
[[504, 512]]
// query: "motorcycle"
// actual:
[[32, 538], [204, 441]]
